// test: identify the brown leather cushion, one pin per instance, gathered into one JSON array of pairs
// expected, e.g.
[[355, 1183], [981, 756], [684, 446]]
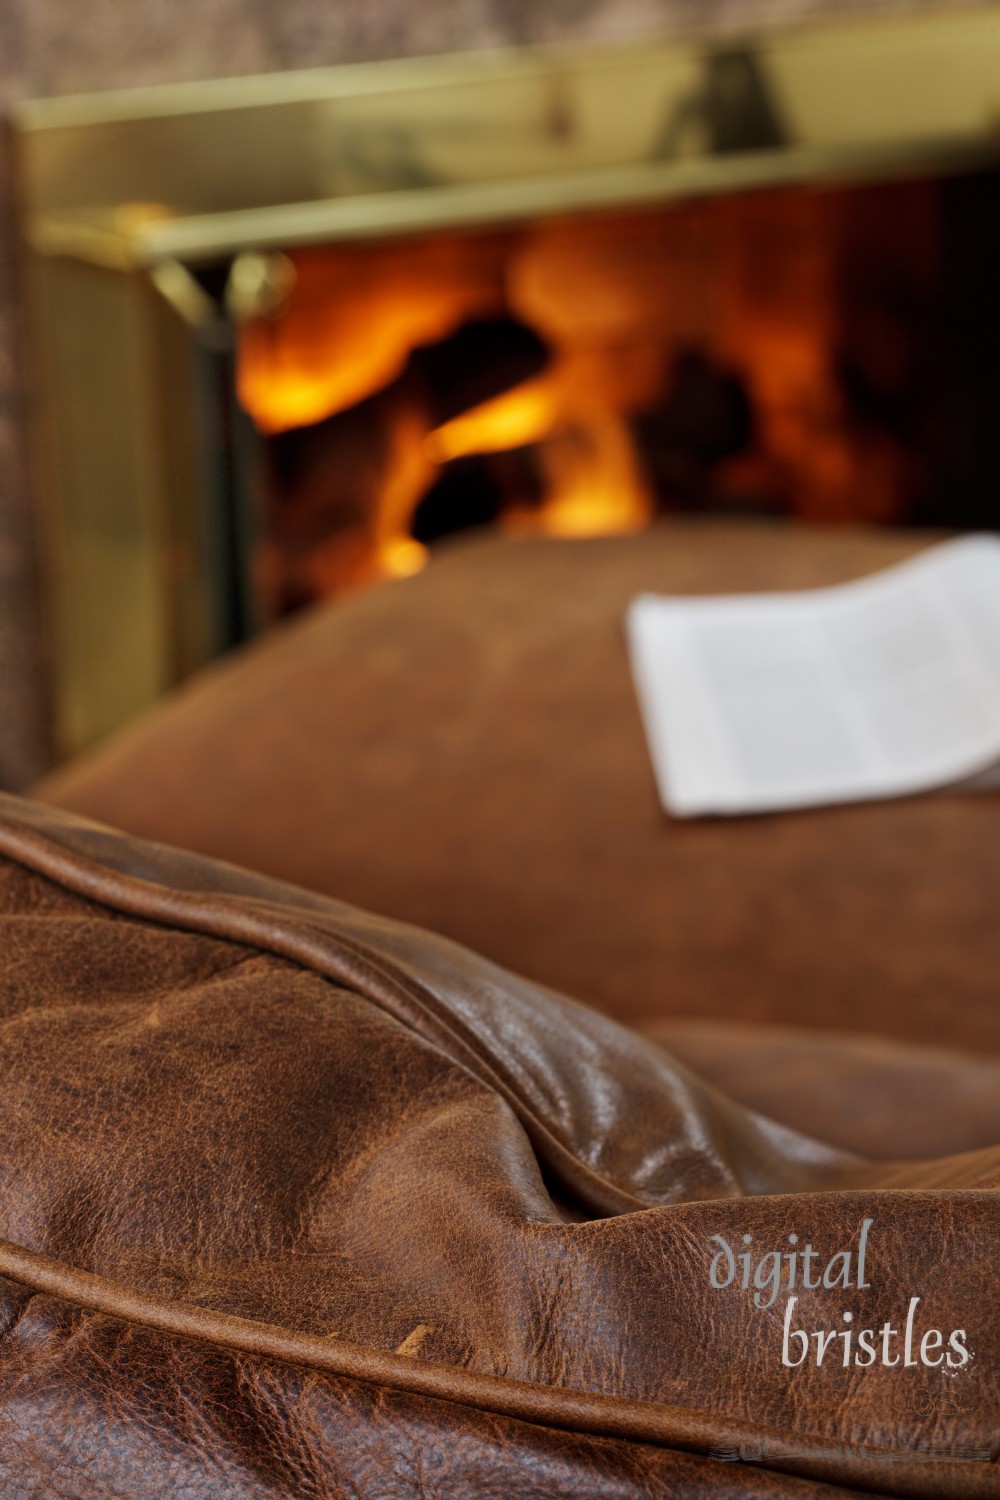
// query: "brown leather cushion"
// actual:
[[867, 1094], [296, 1201], [463, 750]]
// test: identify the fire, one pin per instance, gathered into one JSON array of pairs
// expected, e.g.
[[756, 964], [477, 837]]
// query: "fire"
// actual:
[[753, 291], [521, 416], [595, 487], [351, 320], [593, 482]]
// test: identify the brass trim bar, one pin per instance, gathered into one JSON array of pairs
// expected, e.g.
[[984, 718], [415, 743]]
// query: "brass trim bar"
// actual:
[[212, 236], [199, 171]]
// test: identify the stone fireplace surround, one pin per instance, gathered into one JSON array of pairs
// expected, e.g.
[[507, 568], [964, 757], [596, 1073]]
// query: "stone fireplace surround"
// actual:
[[52, 48]]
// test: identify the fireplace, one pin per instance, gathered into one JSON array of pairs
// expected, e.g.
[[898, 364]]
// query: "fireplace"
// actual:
[[291, 333], [780, 351]]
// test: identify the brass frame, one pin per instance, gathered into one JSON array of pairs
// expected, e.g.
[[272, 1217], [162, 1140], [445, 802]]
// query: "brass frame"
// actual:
[[125, 193]]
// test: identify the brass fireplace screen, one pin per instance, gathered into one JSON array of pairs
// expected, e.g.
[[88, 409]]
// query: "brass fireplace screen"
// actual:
[[289, 331]]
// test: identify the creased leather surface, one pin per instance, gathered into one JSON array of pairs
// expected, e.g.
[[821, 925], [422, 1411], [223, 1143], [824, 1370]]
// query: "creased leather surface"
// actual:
[[296, 1201]]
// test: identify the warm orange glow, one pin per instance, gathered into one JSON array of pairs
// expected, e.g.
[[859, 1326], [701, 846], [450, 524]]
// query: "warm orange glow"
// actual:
[[296, 382], [753, 284], [518, 417], [574, 413], [592, 477], [594, 484], [401, 557], [351, 321]]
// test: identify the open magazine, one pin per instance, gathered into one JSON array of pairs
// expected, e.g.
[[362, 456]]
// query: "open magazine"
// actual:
[[878, 688]]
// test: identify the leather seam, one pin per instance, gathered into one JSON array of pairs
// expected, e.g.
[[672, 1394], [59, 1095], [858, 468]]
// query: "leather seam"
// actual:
[[566, 1407], [608, 1198]]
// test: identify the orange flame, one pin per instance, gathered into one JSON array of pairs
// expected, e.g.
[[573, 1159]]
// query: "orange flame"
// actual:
[[751, 282], [518, 417], [351, 320]]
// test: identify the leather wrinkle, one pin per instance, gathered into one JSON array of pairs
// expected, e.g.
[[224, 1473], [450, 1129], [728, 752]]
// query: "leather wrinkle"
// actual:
[[84, 1290], [384, 982], [836, 1182], [572, 1410], [577, 1410]]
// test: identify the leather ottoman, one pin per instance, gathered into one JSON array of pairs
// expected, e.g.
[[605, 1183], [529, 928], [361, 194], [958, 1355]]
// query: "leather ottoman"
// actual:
[[298, 1201], [463, 750]]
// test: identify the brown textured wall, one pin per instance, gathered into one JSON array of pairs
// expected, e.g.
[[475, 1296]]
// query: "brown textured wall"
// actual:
[[65, 46]]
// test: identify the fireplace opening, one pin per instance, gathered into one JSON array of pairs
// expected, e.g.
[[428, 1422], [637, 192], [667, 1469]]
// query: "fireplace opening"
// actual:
[[289, 334], [825, 353]]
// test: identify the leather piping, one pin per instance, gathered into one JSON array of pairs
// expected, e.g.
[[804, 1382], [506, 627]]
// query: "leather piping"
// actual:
[[563, 1407], [296, 939], [551, 1406]]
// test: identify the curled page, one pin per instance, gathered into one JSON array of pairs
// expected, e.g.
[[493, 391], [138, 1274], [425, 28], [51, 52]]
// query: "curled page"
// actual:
[[878, 688]]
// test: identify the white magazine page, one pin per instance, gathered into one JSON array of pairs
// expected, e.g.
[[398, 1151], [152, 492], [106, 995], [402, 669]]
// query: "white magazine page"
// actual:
[[878, 688]]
